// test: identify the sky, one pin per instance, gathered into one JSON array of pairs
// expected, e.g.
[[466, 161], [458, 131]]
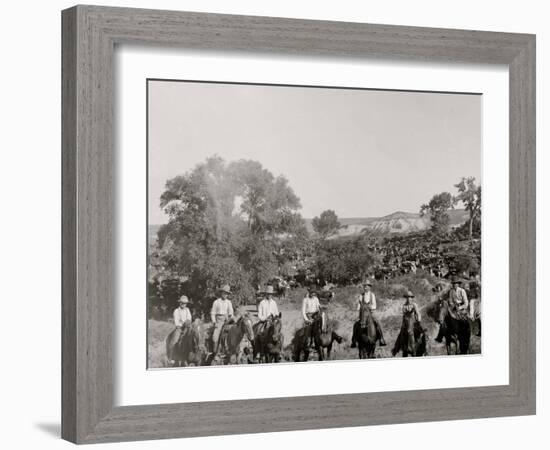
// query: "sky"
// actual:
[[361, 153]]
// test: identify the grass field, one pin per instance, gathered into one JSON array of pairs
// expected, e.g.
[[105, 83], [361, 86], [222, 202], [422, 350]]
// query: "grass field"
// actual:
[[341, 311]]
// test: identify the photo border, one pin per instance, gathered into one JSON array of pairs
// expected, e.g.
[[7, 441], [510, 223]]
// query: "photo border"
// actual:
[[89, 37], [238, 83]]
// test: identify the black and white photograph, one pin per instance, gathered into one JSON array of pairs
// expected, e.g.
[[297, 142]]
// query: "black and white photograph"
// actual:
[[274, 225], [308, 223]]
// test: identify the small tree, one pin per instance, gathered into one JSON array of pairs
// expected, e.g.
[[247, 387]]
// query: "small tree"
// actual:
[[326, 224], [470, 196], [437, 210]]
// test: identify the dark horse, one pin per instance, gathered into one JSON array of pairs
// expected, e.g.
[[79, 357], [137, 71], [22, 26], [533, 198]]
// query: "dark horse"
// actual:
[[456, 330], [412, 338], [323, 337], [268, 343], [367, 336], [230, 339], [190, 348]]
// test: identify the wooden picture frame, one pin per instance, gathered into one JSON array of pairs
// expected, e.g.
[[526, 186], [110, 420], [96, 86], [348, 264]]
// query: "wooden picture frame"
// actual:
[[89, 37]]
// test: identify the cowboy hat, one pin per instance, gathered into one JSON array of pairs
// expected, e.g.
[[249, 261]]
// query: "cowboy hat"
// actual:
[[183, 299], [313, 288], [456, 280], [225, 288], [269, 290], [367, 282], [408, 294]]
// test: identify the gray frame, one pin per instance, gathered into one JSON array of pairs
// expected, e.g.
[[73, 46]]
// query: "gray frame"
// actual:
[[89, 36]]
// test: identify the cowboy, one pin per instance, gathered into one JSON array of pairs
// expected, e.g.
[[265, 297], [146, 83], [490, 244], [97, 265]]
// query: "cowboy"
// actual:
[[221, 312], [367, 299], [267, 310], [458, 302], [310, 306], [182, 320], [409, 308], [268, 306]]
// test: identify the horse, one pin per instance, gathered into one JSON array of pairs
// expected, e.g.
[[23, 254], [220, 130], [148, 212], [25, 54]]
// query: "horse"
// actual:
[[231, 336], [323, 338], [475, 316], [268, 343], [367, 334], [189, 348], [456, 330], [412, 338]]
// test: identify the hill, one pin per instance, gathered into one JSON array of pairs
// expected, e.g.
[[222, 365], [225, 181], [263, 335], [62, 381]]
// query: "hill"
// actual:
[[399, 222]]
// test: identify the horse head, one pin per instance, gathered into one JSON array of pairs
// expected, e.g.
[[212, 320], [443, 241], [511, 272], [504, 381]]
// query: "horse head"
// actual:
[[197, 337], [364, 315], [442, 309], [275, 333], [245, 322]]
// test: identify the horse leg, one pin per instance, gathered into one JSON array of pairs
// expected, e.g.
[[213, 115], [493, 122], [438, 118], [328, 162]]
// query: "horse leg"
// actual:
[[464, 346], [329, 349], [321, 353], [371, 351]]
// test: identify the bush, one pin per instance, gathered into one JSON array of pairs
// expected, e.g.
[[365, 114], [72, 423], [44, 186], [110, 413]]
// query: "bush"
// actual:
[[343, 261]]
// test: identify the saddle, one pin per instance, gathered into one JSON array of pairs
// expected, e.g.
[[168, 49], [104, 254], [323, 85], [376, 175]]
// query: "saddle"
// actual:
[[458, 315]]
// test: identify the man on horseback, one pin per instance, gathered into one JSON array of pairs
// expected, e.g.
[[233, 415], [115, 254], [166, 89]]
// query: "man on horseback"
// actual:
[[267, 309], [410, 311], [367, 299], [458, 304], [182, 320], [221, 312], [310, 306]]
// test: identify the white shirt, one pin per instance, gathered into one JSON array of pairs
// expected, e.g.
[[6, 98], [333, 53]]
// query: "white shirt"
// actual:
[[368, 298], [309, 306], [221, 307], [458, 298], [266, 308], [181, 315]]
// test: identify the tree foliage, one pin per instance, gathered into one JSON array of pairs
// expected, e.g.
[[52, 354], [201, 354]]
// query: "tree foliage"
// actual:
[[470, 195], [344, 260], [227, 224], [437, 210], [326, 224]]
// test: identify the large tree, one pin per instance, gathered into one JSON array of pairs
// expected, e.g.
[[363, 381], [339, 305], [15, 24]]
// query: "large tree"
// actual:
[[227, 223], [470, 195], [326, 224], [437, 210]]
